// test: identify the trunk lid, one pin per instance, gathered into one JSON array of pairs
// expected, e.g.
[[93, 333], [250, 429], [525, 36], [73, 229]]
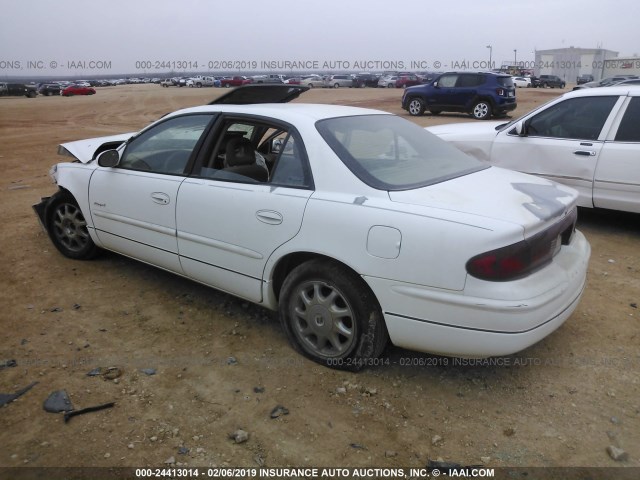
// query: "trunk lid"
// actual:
[[530, 202]]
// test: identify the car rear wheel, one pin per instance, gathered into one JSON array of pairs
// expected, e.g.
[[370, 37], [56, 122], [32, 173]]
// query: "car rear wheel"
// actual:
[[481, 110], [416, 106], [67, 228], [336, 85], [331, 316]]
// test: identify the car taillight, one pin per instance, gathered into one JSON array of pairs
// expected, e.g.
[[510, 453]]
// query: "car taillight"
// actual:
[[500, 91], [520, 259]]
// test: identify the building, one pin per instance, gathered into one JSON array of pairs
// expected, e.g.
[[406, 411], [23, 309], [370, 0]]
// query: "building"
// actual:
[[569, 63]]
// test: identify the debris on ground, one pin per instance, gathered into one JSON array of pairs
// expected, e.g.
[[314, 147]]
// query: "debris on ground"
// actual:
[[57, 402], [278, 411], [73, 413], [6, 398], [239, 436]]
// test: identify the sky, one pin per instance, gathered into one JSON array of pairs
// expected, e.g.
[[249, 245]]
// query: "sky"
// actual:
[[153, 37]]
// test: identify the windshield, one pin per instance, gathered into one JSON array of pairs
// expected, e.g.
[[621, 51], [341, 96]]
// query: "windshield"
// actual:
[[389, 153]]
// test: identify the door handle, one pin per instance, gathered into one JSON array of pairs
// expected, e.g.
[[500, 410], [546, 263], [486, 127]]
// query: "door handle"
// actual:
[[269, 216], [585, 153], [160, 198]]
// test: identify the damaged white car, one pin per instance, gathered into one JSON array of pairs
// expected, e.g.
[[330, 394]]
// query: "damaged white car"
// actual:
[[356, 225], [587, 139]]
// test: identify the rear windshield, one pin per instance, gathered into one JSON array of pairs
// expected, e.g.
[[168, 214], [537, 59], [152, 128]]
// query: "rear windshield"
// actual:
[[505, 81], [389, 153]]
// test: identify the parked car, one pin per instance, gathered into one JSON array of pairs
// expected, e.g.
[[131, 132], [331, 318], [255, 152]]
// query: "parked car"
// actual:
[[236, 81], [201, 81], [293, 81], [271, 78], [584, 78], [17, 90], [167, 82], [365, 227], [312, 81], [365, 80], [48, 89], [337, 81], [404, 81], [605, 82], [535, 81], [481, 94], [551, 81], [388, 81], [522, 82], [587, 139], [72, 90]]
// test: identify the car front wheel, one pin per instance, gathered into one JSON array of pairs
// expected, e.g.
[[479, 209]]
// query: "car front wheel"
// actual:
[[67, 228], [330, 316], [481, 110], [416, 106]]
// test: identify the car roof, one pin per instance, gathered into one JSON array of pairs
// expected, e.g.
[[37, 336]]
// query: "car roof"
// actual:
[[292, 112], [633, 90]]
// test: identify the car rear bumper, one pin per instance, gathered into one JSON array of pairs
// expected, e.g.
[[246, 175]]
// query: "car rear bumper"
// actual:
[[487, 318]]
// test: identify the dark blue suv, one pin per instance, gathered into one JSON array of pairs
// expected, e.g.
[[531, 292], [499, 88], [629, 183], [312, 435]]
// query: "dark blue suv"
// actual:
[[481, 94]]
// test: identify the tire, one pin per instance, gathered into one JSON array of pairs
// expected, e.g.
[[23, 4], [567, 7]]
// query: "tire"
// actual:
[[545, 85], [67, 228], [199, 85], [481, 110], [330, 316], [389, 85], [228, 85], [416, 107], [336, 85]]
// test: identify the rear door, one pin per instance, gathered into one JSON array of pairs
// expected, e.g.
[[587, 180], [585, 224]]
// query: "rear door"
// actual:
[[617, 176], [229, 224], [563, 142]]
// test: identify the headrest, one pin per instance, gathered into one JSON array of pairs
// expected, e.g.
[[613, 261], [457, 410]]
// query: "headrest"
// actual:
[[239, 151]]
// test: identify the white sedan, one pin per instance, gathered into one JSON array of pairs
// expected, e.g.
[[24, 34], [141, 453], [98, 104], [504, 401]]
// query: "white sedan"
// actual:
[[588, 139], [356, 225], [522, 82]]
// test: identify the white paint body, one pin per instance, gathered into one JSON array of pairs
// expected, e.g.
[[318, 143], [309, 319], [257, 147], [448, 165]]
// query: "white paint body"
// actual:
[[409, 246], [606, 172]]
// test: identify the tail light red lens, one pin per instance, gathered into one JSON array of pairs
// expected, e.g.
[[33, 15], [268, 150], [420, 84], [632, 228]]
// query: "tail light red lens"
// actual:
[[521, 259]]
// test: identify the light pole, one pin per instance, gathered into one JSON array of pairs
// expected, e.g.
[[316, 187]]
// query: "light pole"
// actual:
[[515, 57], [490, 52]]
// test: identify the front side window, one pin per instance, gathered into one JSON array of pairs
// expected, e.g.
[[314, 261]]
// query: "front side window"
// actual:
[[576, 118], [448, 81], [389, 153], [166, 147]]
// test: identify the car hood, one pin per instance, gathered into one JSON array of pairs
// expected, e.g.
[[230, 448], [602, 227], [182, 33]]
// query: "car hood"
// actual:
[[252, 94], [85, 150], [473, 138], [499, 194]]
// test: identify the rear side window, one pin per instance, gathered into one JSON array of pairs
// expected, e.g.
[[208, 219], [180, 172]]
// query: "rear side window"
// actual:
[[629, 129], [470, 80], [505, 81]]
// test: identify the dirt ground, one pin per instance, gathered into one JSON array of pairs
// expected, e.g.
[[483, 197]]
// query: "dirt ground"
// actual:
[[223, 364]]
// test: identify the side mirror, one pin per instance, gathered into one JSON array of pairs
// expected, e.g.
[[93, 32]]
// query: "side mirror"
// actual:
[[435, 84], [276, 146], [520, 128], [109, 158]]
